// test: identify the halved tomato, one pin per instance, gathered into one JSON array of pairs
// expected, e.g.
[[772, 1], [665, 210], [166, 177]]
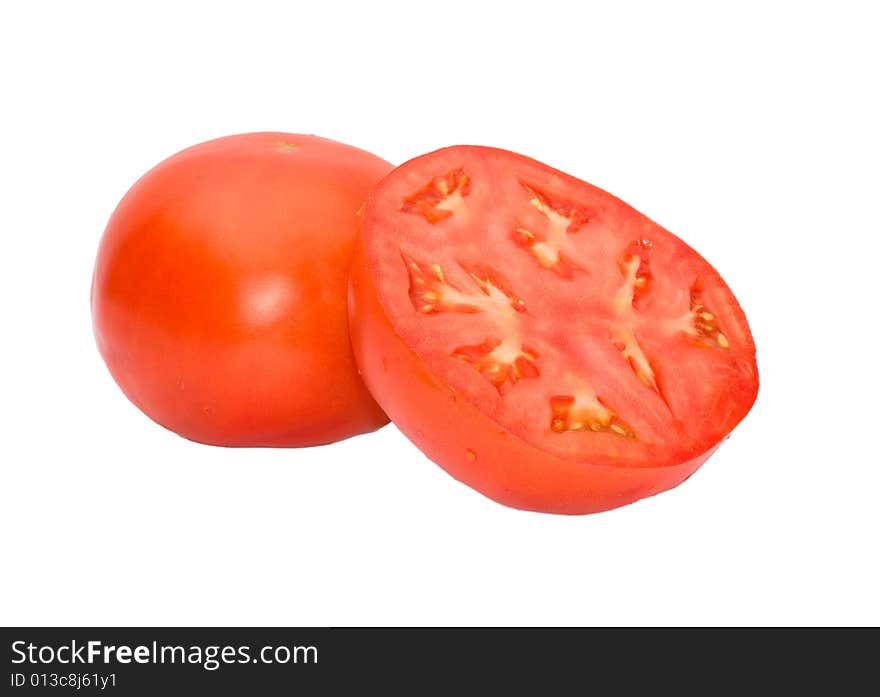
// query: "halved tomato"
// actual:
[[540, 339]]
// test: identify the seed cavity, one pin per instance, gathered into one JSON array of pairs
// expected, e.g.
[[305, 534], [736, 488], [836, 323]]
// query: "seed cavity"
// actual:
[[502, 362], [568, 216], [585, 412], [638, 280], [632, 352], [494, 285], [634, 265], [431, 292], [547, 254], [552, 246], [440, 198], [701, 323]]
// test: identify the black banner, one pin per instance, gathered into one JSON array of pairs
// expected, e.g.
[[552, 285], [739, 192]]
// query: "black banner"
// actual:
[[186, 661]]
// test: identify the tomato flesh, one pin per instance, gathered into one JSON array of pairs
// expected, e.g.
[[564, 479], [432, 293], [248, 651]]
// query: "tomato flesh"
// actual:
[[570, 320]]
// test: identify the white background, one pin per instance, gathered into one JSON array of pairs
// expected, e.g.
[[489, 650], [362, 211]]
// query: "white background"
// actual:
[[751, 132]]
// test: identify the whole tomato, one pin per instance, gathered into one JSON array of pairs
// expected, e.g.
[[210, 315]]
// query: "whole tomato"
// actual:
[[219, 291]]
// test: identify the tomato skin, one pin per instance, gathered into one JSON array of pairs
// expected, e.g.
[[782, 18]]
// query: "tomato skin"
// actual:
[[469, 445], [219, 291]]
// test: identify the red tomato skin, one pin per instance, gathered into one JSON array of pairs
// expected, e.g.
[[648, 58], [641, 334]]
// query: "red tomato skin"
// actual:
[[469, 445], [219, 291]]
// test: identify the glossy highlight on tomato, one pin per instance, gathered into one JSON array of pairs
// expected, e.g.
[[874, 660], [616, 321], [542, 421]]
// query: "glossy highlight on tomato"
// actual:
[[540, 339], [219, 291]]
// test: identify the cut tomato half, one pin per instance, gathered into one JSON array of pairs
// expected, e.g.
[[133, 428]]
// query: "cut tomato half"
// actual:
[[540, 339]]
